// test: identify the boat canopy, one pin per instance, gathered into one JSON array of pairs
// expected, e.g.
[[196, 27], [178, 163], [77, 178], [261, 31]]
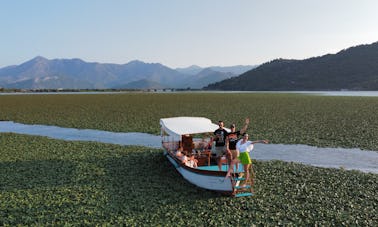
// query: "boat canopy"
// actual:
[[178, 126]]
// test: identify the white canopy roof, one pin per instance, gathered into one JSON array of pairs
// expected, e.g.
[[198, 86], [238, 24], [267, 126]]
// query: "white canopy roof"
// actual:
[[177, 126]]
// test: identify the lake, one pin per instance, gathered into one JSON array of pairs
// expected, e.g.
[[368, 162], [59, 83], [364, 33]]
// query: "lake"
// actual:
[[323, 93], [350, 159]]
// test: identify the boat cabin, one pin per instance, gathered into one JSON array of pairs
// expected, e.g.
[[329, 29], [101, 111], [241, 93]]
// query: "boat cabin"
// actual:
[[194, 141]]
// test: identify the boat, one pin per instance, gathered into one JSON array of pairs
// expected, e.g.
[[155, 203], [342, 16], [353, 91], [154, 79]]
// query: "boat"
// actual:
[[184, 138]]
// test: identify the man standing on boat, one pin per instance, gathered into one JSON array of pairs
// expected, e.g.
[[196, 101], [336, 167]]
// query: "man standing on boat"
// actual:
[[220, 144]]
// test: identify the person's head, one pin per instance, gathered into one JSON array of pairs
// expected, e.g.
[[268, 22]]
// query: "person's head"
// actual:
[[220, 124], [245, 136], [232, 127]]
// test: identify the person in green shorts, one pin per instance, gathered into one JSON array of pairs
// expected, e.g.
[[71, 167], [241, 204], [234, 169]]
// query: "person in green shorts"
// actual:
[[244, 146]]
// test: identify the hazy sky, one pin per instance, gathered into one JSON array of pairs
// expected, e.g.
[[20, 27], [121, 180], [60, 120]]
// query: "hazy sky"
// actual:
[[180, 33]]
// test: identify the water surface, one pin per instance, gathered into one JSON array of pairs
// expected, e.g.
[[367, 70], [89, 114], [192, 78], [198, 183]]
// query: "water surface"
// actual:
[[322, 93], [350, 159]]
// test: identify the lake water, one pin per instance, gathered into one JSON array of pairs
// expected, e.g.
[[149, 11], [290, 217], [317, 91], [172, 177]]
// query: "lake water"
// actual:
[[323, 93], [350, 159]]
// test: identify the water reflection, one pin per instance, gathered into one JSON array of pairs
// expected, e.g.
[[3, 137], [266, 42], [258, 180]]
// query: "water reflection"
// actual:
[[366, 161]]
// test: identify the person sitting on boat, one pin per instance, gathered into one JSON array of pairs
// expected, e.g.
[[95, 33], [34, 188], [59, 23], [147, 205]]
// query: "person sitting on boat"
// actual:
[[244, 146], [232, 139], [191, 162], [220, 144], [179, 154]]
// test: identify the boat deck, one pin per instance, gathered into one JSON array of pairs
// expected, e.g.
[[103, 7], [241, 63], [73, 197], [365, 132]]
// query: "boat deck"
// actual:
[[224, 168]]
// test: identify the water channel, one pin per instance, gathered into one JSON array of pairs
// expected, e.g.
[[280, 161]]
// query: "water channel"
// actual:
[[350, 159]]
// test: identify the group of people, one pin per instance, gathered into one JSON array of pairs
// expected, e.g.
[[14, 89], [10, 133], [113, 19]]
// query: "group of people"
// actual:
[[234, 145], [235, 149]]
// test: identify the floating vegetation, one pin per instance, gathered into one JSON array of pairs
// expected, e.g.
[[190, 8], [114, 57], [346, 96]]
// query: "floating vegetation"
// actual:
[[282, 118], [53, 182]]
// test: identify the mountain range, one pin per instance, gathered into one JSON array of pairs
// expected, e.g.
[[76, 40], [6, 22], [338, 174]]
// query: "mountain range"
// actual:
[[42, 73], [354, 68]]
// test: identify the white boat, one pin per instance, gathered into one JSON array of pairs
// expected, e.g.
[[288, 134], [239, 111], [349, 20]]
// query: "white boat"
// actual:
[[193, 135]]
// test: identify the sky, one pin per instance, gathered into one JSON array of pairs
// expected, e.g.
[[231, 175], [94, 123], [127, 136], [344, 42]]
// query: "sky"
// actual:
[[181, 33]]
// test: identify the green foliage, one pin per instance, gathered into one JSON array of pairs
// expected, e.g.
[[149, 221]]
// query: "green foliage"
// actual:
[[354, 69], [51, 182], [281, 118]]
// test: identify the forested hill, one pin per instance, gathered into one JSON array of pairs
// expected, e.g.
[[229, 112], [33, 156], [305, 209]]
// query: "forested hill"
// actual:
[[355, 68]]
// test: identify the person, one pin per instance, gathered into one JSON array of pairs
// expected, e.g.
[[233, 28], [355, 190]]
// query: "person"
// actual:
[[191, 162], [244, 146], [232, 139], [220, 135], [179, 154]]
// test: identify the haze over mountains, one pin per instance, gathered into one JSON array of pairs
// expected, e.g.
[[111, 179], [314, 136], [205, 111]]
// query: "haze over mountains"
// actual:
[[355, 68], [41, 73]]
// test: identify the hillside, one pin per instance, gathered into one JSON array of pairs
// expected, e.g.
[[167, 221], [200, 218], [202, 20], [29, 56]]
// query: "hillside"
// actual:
[[355, 68], [207, 76], [76, 73], [42, 73], [235, 70]]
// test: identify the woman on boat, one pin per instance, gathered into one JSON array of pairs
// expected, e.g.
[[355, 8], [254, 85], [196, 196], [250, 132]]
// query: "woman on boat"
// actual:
[[244, 146], [231, 140]]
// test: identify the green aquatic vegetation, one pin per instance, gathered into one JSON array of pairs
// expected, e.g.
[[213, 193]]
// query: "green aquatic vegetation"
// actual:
[[53, 182], [281, 118]]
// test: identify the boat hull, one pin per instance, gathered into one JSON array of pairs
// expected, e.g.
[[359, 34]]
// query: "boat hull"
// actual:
[[211, 180]]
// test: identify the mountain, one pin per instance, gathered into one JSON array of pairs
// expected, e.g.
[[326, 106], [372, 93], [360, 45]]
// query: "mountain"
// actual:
[[355, 68], [53, 82], [191, 70], [236, 70], [41, 73], [207, 76], [74, 73]]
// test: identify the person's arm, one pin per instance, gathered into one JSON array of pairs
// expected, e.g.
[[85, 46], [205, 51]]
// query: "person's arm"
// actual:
[[244, 129], [260, 141]]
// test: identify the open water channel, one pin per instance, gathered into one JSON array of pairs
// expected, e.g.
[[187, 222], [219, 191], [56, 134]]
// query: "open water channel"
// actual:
[[350, 159]]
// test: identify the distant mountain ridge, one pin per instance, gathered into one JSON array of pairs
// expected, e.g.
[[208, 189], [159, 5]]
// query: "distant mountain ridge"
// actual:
[[41, 73], [355, 68], [236, 70]]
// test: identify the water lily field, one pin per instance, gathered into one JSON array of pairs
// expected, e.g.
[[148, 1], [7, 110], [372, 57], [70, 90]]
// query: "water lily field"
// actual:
[[53, 182]]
